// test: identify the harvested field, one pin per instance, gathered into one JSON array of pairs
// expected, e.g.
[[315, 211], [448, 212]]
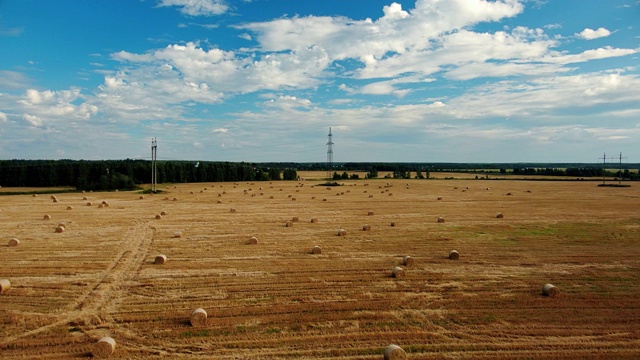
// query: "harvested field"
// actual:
[[279, 301]]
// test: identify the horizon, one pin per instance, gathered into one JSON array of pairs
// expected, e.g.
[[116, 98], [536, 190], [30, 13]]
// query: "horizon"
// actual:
[[259, 81]]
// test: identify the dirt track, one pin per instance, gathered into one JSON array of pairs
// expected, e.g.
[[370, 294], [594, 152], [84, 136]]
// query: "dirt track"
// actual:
[[276, 300]]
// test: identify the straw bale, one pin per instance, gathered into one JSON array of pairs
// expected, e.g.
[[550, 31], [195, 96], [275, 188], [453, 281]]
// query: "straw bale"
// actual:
[[440, 219], [550, 290], [288, 224], [253, 240], [342, 232], [14, 242], [499, 216], [394, 352], [366, 227], [314, 220], [407, 261], [46, 217], [198, 317], [69, 207], [160, 259], [104, 348], [454, 255], [316, 250], [397, 272], [5, 285]]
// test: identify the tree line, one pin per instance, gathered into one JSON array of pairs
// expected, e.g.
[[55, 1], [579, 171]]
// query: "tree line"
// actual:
[[128, 174]]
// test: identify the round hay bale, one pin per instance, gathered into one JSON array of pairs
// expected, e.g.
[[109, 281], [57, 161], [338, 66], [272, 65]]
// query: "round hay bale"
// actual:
[[440, 219], [104, 202], [175, 199], [499, 216], [394, 352], [219, 201], [141, 197], [407, 261], [55, 200], [104, 348], [271, 197], [550, 290], [314, 220], [509, 194], [370, 213], [158, 217], [69, 207], [46, 217], [85, 198], [324, 199], [439, 197], [393, 224], [35, 195], [366, 227], [370, 196], [14, 242], [89, 203], [316, 250], [288, 196], [163, 213], [313, 198], [52, 197], [5, 285], [177, 235], [288, 224], [397, 272], [342, 232], [454, 255], [100, 206], [232, 210], [60, 229], [295, 219], [253, 240], [198, 317], [62, 225], [160, 259]]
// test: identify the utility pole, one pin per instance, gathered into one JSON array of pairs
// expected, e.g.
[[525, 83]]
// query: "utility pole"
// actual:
[[329, 155], [620, 171], [154, 157]]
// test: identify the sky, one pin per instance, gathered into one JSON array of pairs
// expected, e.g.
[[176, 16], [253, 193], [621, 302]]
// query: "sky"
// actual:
[[264, 80]]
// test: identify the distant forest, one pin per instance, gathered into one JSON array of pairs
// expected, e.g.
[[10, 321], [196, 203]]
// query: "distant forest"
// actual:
[[128, 174]]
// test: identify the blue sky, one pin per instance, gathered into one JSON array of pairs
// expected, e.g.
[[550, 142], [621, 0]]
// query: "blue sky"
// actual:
[[263, 80]]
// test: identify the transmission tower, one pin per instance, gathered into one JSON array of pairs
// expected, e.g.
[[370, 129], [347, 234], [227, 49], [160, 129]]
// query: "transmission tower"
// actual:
[[154, 158], [329, 155]]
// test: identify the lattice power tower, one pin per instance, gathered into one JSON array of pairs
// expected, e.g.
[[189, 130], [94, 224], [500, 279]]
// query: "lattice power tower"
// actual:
[[329, 155]]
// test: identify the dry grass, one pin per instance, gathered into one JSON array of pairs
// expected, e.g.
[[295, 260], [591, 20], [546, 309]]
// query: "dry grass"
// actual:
[[276, 301]]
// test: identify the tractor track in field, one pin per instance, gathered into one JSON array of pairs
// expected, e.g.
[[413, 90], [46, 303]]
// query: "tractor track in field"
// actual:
[[101, 299]]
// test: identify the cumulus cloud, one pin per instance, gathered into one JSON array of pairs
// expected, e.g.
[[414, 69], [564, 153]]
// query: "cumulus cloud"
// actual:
[[3, 117], [33, 120], [197, 7], [590, 34]]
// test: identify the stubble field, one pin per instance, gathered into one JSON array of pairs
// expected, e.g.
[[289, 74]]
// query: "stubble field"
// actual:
[[277, 300]]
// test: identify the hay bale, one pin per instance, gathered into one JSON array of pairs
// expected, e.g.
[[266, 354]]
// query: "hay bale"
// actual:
[[60, 229], [271, 197], [370, 196], [5, 285], [324, 199], [289, 224], [439, 197], [198, 317], [158, 217], [499, 216], [141, 197], [316, 250], [175, 199], [104, 202], [14, 242], [69, 207], [440, 219], [394, 352], [397, 272], [295, 219], [454, 255], [253, 240], [407, 261], [85, 198], [160, 259], [342, 232], [100, 206], [314, 220], [62, 224], [55, 199], [232, 210], [35, 195], [550, 290], [89, 203], [366, 227], [46, 217], [104, 348], [370, 213], [163, 213], [177, 235], [219, 201], [393, 224]]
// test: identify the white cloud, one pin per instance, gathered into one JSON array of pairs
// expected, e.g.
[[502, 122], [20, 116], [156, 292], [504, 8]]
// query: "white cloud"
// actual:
[[3, 117], [590, 34], [33, 120], [197, 7], [221, 130]]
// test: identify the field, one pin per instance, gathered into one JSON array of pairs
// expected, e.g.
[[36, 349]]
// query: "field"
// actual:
[[277, 300]]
